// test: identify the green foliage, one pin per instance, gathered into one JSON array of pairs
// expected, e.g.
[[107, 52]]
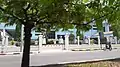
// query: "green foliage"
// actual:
[[59, 14], [18, 31], [115, 27]]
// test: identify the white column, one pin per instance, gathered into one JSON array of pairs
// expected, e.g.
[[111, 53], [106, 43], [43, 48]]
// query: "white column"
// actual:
[[43, 40], [88, 40], [66, 41], [6, 43], [40, 42], [98, 40], [3, 41], [22, 37], [55, 38], [78, 40], [61, 40], [115, 39]]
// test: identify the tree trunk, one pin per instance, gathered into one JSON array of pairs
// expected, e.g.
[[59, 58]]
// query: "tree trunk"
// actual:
[[27, 41]]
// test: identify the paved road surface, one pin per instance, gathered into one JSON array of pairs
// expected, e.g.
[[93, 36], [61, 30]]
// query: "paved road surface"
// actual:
[[58, 57]]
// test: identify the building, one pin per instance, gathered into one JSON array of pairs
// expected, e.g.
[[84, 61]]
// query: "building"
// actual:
[[92, 33]]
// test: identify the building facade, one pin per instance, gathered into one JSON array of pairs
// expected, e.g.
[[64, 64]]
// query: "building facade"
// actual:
[[92, 33]]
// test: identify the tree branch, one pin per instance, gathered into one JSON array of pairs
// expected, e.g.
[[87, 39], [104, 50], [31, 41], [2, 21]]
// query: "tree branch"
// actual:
[[11, 14], [28, 6], [103, 15], [18, 18], [25, 9], [1, 9]]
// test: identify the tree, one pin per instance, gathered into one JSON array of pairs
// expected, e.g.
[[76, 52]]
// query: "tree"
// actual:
[[31, 14], [115, 28], [55, 14]]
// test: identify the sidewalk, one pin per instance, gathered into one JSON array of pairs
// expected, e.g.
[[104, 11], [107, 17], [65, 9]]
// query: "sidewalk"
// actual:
[[85, 47], [13, 50], [36, 52]]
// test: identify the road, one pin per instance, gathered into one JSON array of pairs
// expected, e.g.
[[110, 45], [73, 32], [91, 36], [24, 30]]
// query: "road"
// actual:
[[58, 57]]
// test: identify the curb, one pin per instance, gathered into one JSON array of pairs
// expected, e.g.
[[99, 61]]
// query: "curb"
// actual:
[[14, 53], [36, 52], [85, 49], [88, 49]]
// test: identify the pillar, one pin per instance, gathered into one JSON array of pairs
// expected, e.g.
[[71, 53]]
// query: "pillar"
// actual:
[[22, 37], [66, 41], [88, 40], [115, 39], [78, 39], [98, 40], [40, 42], [61, 40], [3, 41], [43, 40], [3, 44], [6, 43]]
